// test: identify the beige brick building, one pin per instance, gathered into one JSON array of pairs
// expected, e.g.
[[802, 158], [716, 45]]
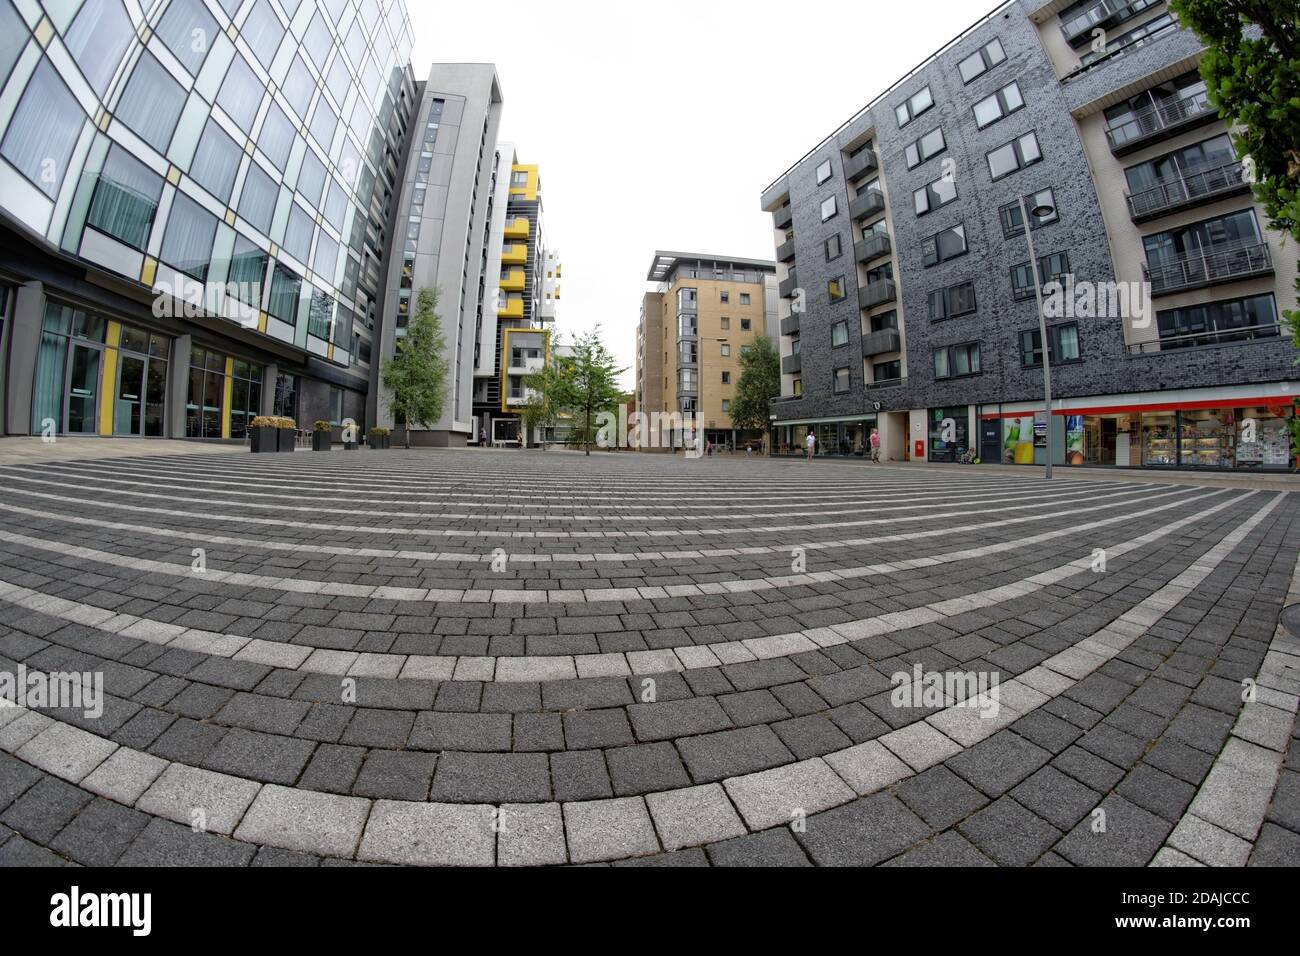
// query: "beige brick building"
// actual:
[[704, 311]]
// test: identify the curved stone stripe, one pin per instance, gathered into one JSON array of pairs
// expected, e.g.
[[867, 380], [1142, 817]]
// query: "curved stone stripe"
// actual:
[[561, 667], [875, 540], [276, 500], [308, 488], [471, 834]]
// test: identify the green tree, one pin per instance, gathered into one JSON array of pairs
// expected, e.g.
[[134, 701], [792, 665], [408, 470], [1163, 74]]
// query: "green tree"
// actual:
[[759, 383], [540, 411], [586, 384], [416, 377], [1251, 69]]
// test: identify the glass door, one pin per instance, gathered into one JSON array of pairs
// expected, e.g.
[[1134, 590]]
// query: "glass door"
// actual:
[[155, 398], [130, 396], [83, 390]]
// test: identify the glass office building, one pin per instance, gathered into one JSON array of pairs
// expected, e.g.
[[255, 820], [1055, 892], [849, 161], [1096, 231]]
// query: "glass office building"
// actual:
[[195, 207]]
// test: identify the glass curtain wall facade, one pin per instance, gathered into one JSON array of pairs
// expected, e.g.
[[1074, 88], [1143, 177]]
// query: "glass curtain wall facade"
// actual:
[[230, 163]]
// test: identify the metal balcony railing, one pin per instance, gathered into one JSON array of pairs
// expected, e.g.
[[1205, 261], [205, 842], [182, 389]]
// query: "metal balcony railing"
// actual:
[[1158, 121], [870, 203], [785, 252], [880, 343], [1187, 189], [877, 293], [1238, 336], [1210, 265], [873, 247], [787, 287], [791, 364], [783, 217], [858, 166]]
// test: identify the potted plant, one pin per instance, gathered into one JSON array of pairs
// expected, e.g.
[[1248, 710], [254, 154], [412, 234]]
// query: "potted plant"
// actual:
[[287, 434], [264, 432], [381, 439], [322, 436]]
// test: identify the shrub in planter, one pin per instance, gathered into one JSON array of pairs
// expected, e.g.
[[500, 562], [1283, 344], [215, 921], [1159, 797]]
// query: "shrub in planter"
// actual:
[[381, 439], [322, 436], [265, 434]]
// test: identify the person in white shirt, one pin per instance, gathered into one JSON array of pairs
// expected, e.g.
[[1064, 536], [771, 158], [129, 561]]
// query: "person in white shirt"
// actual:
[[811, 442]]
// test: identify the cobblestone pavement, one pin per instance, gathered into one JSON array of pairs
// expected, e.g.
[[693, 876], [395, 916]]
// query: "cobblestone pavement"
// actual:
[[449, 658]]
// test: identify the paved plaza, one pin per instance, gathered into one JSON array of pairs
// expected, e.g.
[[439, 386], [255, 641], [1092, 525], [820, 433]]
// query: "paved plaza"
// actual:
[[526, 658]]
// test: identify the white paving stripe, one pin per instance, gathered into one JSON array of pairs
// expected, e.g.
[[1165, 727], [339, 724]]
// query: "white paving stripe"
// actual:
[[672, 555], [277, 498], [551, 595], [308, 488], [533, 668], [1222, 823], [465, 834]]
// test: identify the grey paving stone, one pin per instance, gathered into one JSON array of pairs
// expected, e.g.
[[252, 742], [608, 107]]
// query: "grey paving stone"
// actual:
[[531, 834], [100, 833], [429, 834], [597, 729], [999, 763], [1059, 799], [257, 756], [1131, 838], [732, 753], [333, 769], [645, 768], [168, 844], [318, 823], [1156, 791], [940, 797], [947, 849], [609, 830], [396, 775], [672, 719], [776, 847], [580, 775], [862, 833], [491, 778], [1275, 847], [479, 733], [1009, 833], [45, 809], [211, 801], [538, 733]]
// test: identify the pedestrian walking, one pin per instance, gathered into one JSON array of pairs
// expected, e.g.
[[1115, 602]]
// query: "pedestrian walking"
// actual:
[[811, 443], [875, 446]]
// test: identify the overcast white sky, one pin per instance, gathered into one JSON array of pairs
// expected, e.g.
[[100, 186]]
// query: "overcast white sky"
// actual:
[[658, 125]]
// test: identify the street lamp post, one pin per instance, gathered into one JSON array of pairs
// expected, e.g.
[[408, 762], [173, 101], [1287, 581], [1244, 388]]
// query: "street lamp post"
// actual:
[[1041, 212]]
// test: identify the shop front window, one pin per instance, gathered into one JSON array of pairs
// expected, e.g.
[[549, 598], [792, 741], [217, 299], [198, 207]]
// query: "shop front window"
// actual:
[[245, 397], [949, 433], [203, 407]]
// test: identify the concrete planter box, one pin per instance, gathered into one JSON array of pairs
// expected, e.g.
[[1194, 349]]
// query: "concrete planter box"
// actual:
[[381, 442], [321, 441], [287, 440]]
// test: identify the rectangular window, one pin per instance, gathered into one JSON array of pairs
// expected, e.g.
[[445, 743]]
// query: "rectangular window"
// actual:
[[914, 106], [286, 288], [97, 39], [835, 289], [1218, 322], [43, 130], [953, 302], [945, 245], [841, 381], [829, 208], [833, 248], [726, 350], [276, 137], [241, 94], [187, 243], [247, 272], [982, 60], [823, 172], [216, 161], [1051, 268], [257, 198], [1002, 103], [726, 323], [298, 233], [882, 372], [151, 103], [1064, 346], [839, 334], [744, 298], [957, 361], [933, 195], [726, 378], [262, 31], [1013, 224], [726, 297], [125, 199], [1017, 154], [927, 147], [746, 325]]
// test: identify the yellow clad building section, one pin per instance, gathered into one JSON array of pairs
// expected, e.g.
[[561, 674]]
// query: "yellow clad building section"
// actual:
[[517, 229], [513, 309], [515, 254], [108, 381], [514, 282], [228, 393], [531, 187]]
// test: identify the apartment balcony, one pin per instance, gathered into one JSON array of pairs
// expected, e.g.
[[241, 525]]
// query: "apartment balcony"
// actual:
[[877, 293], [517, 229], [512, 308], [1190, 189], [1240, 336], [1106, 14], [792, 364], [1160, 121], [880, 343], [860, 165], [783, 217], [515, 254], [869, 204], [786, 288], [873, 248], [515, 281], [1211, 265], [785, 252], [790, 326]]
